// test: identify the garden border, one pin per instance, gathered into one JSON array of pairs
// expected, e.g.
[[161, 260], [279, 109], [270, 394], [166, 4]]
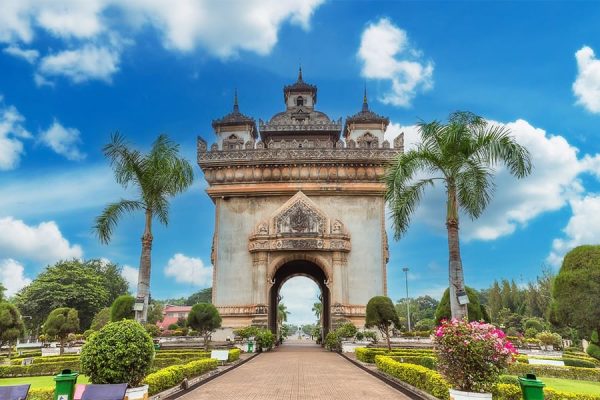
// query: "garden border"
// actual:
[[400, 386], [177, 391]]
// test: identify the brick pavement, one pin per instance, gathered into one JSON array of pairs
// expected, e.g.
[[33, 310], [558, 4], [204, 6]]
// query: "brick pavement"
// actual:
[[296, 372]]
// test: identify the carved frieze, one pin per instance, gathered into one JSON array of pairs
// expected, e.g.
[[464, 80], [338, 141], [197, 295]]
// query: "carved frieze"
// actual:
[[299, 225]]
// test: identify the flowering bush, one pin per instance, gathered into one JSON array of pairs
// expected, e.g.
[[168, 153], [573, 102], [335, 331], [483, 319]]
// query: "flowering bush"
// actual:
[[472, 355]]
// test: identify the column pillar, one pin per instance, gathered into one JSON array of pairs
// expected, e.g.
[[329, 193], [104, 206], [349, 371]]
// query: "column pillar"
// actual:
[[337, 292], [260, 272]]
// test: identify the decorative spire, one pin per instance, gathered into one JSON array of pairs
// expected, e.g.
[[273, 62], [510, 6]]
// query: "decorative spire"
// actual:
[[300, 74], [236, 108], [365, 106]]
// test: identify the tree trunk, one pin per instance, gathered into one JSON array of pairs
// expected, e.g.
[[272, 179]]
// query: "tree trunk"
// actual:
[[387, 338], [455, 269], [143, 288], [206, 336]]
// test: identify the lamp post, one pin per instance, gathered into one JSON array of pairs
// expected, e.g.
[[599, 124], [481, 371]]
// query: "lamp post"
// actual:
[[405, 269]]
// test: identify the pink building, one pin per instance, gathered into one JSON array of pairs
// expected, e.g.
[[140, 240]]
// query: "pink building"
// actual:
[[171, 314]]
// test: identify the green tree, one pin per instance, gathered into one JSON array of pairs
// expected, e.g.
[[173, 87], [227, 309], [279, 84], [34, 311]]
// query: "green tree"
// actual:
[[11, 325], [204, 319], [460, 154], [2, 291], [114, 283], [203, 296], [382, 315], [60, 323], [282, 313], [476, 310], [101, 318], [318, 310], [576, 291], [122, 308], [495, 300], [157, 176], [155, 313], [72, 284]]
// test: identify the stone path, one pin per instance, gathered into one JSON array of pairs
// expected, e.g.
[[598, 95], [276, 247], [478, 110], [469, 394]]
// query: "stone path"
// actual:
[[296, 372]]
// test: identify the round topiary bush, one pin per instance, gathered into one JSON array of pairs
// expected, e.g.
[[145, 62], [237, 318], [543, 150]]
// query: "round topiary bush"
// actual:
[[121, 352], [122, 308]]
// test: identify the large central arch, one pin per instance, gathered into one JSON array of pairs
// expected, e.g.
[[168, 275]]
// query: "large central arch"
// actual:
[[299, 268]]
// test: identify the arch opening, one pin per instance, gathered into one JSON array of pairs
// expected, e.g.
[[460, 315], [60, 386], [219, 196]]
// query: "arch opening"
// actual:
[[293, 269]]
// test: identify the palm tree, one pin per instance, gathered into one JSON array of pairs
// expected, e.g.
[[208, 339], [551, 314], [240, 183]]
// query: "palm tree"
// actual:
[[462, 155], [282, 313], [156, 176], [318, 310]]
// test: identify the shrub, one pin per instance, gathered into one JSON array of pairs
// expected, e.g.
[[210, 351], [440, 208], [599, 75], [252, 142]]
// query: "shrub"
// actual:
[[424, 361], [265, 339], [172, 376], [333, 342], [370, 335], [100, 319], [415, 375], [121, 352], [537, 324], [204, 318], [234, 355], [549, 339], [41, 394], [426, 324], [246, 332], [346, 330], [152, 330], [594, 350], [359, 336], [11, 324], [475, 309], [60, 323], [122, 308], [471, 355], [551, 371], [51, 368], [575, 362], [531, 332], [382, 315]]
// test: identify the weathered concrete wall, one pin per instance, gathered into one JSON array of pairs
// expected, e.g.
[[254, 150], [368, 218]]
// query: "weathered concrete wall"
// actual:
[[237, 218]]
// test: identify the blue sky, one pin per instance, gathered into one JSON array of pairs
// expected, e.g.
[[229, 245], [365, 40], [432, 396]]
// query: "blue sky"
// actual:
[[73, 72]]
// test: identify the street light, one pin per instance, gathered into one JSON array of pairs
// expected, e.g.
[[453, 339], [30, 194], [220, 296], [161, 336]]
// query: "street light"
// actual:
[[405, 269]]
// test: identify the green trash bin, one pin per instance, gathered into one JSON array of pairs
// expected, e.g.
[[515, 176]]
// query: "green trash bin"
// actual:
[[65, 385], [532, 388], [250, 346]]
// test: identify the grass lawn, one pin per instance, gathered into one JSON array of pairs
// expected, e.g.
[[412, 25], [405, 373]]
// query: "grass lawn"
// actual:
[[568, 385], [37, 381]]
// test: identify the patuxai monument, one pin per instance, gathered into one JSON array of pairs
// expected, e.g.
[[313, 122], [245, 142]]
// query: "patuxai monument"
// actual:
[[298, 194]]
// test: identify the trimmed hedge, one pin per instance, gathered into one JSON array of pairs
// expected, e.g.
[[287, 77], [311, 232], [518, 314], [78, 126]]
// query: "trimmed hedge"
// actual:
[[576, 373], [569, 362], [367, 355], [234, 355], [11, 371], [188, 355], [41, 394], [48, 359], [511, 391], [420, 377], [172, 376], [159, 363], [424, 361]]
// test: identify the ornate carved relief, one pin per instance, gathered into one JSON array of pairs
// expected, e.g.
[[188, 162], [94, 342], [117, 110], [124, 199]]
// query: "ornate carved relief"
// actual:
[[300, 225], [399, 141], [233, 142], [367, 141]]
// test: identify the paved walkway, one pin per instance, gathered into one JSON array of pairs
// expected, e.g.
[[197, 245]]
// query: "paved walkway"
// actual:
[[296, 372]]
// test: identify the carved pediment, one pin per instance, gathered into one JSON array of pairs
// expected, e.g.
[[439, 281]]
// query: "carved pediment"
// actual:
[[300, 225]]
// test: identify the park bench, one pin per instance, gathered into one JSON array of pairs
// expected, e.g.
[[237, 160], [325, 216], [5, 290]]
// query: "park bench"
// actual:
[[16, 392], [104, 392]]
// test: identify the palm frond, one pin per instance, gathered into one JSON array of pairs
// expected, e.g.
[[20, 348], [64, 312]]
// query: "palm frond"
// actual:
[[107, 221], [403, 202], [127, 164], [475, 188]]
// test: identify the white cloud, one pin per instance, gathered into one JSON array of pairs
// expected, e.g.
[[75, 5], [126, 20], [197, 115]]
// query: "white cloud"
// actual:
[[552, 184], [29, 55], [86, 63], [583, 227], [299, 294], [587, 84], [12, 276], [63, 141], [387, 54], [58, 192], [131, 276], [221, 28], [43, 243], [186, 269], [11, 133]]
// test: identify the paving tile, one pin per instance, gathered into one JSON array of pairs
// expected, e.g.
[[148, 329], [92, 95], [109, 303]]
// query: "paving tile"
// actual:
[[296, 372]]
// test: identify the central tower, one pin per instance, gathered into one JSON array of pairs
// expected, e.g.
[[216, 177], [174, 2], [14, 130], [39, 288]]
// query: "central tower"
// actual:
[[300, 195]]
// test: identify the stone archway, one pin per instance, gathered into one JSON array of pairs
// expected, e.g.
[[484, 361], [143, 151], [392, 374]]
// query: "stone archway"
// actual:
[[299, 267]]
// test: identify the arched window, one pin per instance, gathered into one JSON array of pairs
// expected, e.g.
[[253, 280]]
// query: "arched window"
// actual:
[[300, 101]]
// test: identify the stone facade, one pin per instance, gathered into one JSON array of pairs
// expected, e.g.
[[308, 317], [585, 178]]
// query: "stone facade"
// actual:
[[297, 200]]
